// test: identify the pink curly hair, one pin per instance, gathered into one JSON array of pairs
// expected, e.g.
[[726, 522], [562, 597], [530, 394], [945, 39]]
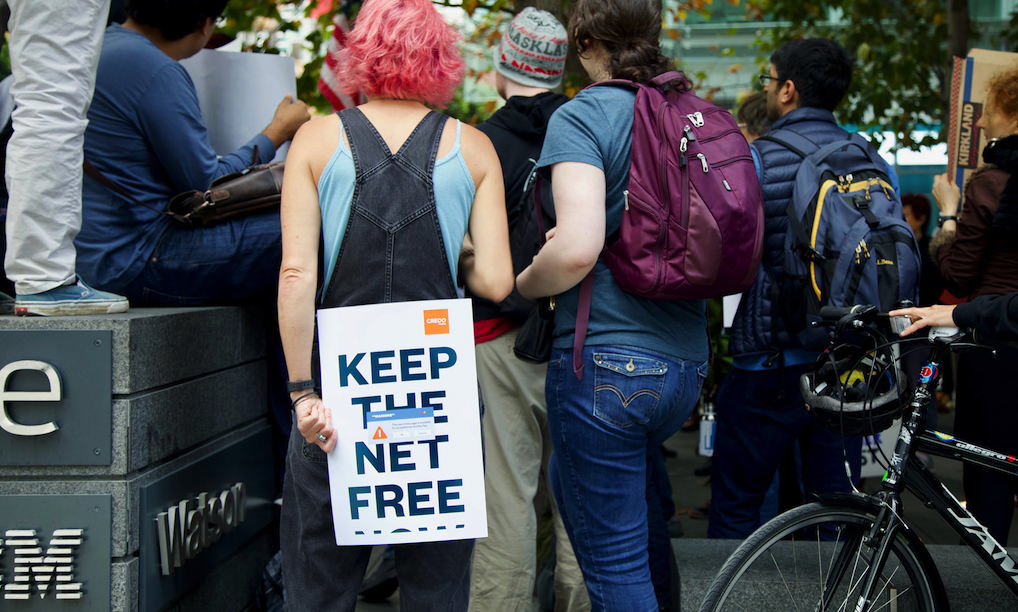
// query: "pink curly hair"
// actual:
[[401, 49]]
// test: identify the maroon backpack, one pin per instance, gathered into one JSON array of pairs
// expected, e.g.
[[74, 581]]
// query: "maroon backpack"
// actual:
[[692, 227]]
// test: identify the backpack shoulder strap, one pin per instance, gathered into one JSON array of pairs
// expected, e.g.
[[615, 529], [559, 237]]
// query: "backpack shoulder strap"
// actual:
[[793, 141]]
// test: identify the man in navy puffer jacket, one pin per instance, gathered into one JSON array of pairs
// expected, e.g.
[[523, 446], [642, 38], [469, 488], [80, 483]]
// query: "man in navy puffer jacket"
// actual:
[[760, 412]]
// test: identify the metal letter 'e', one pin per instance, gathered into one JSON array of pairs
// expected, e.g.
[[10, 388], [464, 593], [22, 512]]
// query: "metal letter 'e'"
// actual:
[[52, 395]]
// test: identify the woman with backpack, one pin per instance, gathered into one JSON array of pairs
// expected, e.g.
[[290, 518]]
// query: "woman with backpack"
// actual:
[[977, 254], [643, 361], [389, 189]]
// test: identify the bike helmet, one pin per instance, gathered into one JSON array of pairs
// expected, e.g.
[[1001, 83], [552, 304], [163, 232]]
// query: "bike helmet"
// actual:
[[855, 391]]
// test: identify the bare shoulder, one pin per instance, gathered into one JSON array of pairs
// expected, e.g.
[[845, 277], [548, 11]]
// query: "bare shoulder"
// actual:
[[314, 143], [316, 133], [475, 139], [478, 151]]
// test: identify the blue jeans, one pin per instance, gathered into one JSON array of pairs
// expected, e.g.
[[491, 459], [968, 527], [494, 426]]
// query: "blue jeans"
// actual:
[[222, 263], [760, 415], [629, 400], [318, 575]]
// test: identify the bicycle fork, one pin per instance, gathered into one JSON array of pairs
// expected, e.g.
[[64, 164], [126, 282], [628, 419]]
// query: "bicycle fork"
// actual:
[[873, 548]]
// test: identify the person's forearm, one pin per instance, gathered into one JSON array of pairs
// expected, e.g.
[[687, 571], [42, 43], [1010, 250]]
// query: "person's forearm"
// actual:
[[296, 305], [555, 269], [995, 316]]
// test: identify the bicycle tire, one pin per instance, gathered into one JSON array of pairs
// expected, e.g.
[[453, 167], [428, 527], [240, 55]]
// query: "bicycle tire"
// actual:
[[793, 556]]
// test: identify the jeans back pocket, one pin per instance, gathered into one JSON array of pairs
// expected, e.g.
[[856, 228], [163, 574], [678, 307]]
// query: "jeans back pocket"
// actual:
[[627, 388]]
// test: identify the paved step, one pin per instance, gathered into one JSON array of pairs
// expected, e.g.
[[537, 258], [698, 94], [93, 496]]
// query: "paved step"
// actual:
[[970, 585]]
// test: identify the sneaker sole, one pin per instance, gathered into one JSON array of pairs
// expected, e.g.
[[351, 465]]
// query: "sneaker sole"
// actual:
[[56, 309]]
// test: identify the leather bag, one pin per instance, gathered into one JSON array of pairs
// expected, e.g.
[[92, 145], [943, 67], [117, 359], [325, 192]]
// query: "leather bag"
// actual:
[[252, 190], [533, 340], [527, 236], [249, 191]]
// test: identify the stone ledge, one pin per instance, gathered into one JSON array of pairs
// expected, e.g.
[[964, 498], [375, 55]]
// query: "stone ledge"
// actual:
[[154, 426], [125, 492], [157, 346]]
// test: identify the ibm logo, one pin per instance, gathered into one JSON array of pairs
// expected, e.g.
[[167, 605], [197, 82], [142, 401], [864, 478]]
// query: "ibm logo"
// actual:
[[50, 572]]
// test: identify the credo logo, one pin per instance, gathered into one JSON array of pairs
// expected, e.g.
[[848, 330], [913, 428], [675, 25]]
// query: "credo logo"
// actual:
[[436, 322]]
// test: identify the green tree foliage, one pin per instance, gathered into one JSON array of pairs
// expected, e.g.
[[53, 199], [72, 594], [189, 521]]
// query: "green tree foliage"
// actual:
[[259, 23], [902, 75]]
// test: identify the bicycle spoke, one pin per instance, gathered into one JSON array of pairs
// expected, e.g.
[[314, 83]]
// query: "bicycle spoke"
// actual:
[[892, 598], [781, 574], [778, 564], [841, 556]]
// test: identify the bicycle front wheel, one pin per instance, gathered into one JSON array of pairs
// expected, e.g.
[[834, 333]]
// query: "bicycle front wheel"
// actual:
[[815, 557]]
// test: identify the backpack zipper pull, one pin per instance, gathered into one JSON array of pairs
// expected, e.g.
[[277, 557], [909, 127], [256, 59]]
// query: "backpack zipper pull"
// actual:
[[696, 119], [684, 144], [703, 160], [625, 199]]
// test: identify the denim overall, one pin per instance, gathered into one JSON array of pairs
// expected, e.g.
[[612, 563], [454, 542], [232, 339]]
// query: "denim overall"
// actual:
[[392, 251]]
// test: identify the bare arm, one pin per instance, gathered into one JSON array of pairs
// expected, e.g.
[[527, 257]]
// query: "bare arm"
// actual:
[[300, 217], [485, 263], [573, 249]]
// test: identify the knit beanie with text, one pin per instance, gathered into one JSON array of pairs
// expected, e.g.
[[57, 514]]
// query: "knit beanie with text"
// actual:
[[532, 51]]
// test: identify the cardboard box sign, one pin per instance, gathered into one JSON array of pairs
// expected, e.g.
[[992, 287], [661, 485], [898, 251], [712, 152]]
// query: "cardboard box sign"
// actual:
[[969, 80]]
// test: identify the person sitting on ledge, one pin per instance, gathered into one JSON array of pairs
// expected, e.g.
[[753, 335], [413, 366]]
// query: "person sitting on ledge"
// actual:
[[146, 135]]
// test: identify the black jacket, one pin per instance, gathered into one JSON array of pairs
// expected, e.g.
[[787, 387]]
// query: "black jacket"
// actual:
[[517, 131], [992, 316]]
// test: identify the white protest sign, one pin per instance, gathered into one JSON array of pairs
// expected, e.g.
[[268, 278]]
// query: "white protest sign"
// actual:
[[238, 94], [401, 382]]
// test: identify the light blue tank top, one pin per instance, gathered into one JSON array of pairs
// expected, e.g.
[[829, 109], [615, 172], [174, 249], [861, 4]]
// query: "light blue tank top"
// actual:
[[454, 196]]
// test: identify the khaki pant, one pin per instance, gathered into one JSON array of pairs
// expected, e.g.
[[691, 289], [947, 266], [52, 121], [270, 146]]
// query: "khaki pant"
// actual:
[[516, 452]]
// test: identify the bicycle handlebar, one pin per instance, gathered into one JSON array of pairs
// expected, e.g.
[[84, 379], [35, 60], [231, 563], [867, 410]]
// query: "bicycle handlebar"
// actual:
[[836, 313], [860, 315]]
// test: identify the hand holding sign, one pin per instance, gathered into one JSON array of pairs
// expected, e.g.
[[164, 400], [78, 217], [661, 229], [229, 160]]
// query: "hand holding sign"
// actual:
[[314, 419]]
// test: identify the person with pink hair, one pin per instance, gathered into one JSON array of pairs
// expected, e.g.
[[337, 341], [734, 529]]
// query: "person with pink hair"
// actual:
[[406, 204]]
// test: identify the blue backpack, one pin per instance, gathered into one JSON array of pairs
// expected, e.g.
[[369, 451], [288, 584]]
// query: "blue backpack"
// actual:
[[848, 242]]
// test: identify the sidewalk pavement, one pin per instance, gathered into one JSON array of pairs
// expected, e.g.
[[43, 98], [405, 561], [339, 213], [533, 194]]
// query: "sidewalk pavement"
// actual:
[[969, 585]]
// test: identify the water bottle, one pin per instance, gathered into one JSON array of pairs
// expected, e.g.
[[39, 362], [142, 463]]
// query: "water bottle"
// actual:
[[707, 427]]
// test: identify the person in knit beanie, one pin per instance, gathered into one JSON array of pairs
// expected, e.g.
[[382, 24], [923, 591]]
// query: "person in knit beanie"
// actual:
[[529, 62]]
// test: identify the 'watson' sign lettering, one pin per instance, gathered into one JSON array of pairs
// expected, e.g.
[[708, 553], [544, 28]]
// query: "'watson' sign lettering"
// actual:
[[191, 526]]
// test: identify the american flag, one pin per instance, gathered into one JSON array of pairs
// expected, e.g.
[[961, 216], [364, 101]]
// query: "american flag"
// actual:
[[327, 83]]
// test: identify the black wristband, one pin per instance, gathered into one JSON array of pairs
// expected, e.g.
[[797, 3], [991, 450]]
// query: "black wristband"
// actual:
[[299, 385], [945, 218], [300, 397]]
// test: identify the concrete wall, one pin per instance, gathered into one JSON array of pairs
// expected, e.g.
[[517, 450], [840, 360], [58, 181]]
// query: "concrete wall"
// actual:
[[155, 406]]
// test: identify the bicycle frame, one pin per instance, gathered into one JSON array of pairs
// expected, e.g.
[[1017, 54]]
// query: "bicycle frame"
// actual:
[[935, 495], [907, 472]]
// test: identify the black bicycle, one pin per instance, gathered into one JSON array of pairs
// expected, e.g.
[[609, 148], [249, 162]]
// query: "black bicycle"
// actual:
[[852, 551]]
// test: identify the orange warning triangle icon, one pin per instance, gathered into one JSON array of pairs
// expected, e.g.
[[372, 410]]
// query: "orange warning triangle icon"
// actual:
[[379, 435]]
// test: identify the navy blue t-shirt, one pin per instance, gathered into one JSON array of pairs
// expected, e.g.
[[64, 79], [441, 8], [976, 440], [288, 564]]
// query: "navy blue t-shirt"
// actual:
[[146, 134]]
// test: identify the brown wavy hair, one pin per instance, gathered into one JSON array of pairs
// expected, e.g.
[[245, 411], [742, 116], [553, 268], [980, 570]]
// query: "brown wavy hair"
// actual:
[[1003, 88], [629, 30]]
